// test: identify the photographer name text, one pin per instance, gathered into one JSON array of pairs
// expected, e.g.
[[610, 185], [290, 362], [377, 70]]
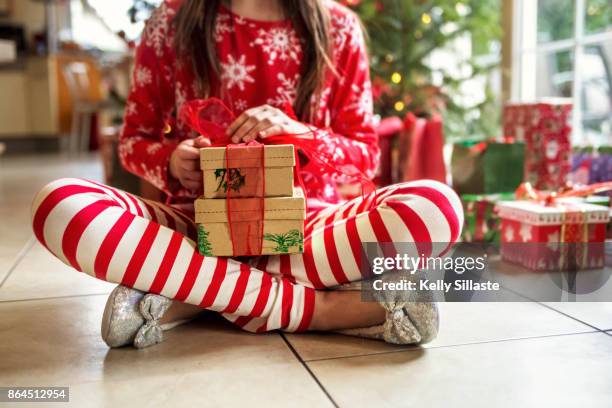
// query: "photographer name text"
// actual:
[[435, 285]]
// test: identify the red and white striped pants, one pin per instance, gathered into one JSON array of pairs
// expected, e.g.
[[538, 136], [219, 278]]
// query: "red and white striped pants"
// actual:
[[121, 238]]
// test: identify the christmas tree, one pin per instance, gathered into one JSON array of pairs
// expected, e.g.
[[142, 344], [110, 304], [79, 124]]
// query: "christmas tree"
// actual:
[[404, 37], [141, 9]]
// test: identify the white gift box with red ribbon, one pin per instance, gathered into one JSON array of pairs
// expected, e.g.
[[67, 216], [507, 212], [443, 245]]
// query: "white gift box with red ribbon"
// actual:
[[564, 235]]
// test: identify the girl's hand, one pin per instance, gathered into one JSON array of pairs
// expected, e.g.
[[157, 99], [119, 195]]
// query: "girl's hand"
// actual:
[[265, 121], [185, 163]]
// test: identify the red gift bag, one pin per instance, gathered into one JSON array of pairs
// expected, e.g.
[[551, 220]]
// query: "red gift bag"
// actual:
[[422, 149]]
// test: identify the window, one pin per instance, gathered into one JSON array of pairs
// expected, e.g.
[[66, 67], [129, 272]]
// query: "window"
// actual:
[[563, 48], [124, 15], [96, 22]]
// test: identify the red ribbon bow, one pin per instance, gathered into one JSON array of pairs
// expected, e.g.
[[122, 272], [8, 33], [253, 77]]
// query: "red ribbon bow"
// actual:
[[527, 192], [569, 232], [211, 117]]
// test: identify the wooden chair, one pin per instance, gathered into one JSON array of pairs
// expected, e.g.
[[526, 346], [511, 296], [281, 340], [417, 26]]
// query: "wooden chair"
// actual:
[[84, 107]]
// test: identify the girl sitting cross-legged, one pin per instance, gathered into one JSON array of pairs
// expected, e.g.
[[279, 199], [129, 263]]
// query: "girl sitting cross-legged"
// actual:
[[256, 56]]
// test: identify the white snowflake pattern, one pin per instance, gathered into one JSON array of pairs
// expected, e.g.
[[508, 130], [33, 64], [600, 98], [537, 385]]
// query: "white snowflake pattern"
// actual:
[[339, 30], [286, 91], [142, 76], [525, 232], [144, 130], [363, 65], [279, 44], [180, 96], [319, 106], [131, 109], [126, 147], [331, 150], [329, 191], [344, 29], [236, 72], [240, 105], [240, 20], [153, 148], [363, 104], [339, 156], [156, 30], [222, 26], [509, 234], [153, 175], [553, 241]]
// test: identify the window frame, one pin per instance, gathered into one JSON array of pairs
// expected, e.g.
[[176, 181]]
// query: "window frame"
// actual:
[[526, 49]]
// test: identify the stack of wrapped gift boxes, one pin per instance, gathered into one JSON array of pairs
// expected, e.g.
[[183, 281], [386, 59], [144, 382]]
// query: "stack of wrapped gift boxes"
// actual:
[[250, 205], [562, 234]]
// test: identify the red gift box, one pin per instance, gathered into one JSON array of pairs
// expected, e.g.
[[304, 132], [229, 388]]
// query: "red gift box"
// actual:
[[545, 129], [563, 236]]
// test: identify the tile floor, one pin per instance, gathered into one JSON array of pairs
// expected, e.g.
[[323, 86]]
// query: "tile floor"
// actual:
[[487, 354]]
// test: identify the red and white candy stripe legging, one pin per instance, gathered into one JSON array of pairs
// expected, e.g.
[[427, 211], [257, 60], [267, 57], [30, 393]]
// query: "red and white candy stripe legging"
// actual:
[[121, 238]]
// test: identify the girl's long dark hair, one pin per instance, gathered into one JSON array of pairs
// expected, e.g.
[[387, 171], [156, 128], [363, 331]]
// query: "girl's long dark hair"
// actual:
[[194, 41]]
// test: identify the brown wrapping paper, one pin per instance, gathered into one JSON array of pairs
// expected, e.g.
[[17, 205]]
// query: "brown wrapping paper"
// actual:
[[245, 177], [283, 228]]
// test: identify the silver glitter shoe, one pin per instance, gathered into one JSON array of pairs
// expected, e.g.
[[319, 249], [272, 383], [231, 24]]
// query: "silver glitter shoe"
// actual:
[[132, 317], [405, 323], [408, 321]]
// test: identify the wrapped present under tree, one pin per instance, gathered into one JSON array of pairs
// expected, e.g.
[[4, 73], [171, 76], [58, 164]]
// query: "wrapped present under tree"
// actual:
[[487, 167], [562, 235], [591, 165], [545, 128], [481, 219]]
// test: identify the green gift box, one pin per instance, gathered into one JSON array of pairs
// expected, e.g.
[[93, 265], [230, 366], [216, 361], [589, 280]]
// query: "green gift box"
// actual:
[[481, 219], [487, 167]]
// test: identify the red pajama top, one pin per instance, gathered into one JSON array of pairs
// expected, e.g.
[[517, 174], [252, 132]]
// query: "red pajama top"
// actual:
[[260, 64]]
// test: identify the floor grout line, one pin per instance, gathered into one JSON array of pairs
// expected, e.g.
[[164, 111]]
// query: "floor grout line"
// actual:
[[416, 348], [554, 309], [305, 365], [570, 316], [55, 297], [20, 255]]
